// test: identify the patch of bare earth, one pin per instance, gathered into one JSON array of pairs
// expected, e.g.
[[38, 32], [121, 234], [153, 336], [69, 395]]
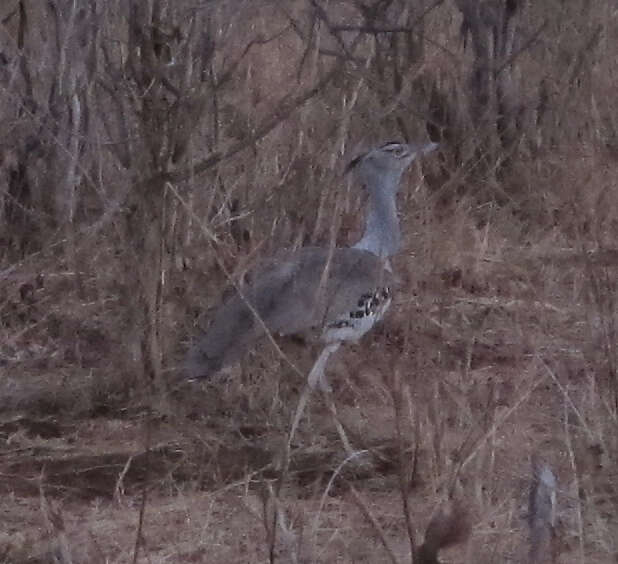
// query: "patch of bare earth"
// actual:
[[495, 368]]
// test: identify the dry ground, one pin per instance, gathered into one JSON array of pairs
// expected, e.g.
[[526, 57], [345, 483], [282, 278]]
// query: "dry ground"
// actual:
[[498, 348]]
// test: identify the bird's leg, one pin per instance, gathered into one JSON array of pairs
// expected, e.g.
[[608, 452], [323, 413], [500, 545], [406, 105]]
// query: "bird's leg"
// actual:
[[302, 403], [317, 378], [340, 430]]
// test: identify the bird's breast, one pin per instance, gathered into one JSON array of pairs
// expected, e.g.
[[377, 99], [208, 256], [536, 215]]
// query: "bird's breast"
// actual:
[[368, 310]]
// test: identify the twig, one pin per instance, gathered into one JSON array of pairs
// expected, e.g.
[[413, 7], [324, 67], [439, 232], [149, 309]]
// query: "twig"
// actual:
[[404, 480], [374, 523], [142, 508], [286, 108], [502, 419]]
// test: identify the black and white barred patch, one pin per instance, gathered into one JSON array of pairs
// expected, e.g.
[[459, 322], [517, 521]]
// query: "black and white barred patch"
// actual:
[[368, 304], [369, 309]]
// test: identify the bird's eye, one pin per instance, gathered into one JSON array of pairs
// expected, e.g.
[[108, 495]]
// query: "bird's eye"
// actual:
[[397, 150]]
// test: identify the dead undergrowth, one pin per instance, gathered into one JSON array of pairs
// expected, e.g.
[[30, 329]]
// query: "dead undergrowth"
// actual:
[[153, 154]]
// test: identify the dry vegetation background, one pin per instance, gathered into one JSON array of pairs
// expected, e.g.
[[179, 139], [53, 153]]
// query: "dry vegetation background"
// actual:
[[148, 147]]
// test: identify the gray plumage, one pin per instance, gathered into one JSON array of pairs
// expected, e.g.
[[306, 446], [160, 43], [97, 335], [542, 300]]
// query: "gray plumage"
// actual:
[[331, 295], [290, 298]]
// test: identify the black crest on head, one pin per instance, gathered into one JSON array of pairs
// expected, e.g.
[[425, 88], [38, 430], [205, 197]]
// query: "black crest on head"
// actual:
[[390, 143], [354, 162]]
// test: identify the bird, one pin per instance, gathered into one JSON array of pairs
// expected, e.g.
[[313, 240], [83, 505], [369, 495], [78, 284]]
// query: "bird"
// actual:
[[326, 294]]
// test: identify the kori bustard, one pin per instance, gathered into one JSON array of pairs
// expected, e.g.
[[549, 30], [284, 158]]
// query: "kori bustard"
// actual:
[[329, 294]]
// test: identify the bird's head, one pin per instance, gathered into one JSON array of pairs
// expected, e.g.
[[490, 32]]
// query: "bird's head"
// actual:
[[388, 162]]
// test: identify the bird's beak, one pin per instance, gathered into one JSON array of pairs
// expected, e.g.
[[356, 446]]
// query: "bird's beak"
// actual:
[[425, 149], [417, 151], [429, 148]]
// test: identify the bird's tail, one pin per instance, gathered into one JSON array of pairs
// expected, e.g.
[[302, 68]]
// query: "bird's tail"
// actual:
[[233, 328], [198, 364]]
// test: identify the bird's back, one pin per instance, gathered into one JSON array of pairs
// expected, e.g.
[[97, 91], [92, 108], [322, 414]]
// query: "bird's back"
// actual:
[[314, 291]]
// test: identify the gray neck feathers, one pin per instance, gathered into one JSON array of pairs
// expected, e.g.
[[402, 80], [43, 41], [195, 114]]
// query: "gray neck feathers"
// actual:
[[382, 236]]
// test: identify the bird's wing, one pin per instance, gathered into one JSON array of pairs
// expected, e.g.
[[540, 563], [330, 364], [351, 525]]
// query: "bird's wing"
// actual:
[[314, 286], [292, 293]]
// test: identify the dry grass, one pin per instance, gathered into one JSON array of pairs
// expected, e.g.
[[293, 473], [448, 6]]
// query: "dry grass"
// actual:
[[500, 348]]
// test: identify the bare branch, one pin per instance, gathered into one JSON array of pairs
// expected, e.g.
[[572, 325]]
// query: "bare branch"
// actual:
[[285, 108]]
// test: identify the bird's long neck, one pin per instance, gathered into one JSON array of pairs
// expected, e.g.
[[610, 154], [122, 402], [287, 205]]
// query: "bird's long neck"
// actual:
[[382, 235]]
